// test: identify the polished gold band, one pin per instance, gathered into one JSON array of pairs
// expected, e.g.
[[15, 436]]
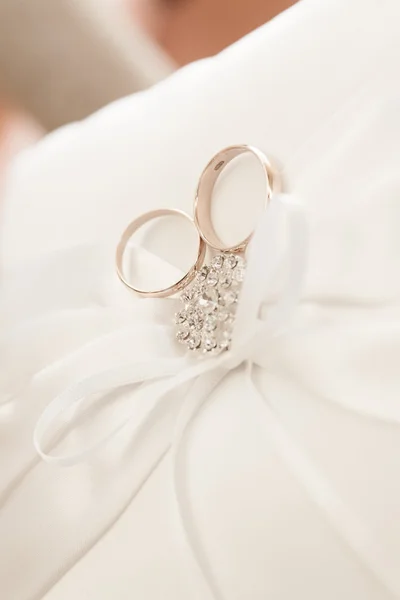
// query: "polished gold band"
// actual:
[[208, 179], [126, 236]]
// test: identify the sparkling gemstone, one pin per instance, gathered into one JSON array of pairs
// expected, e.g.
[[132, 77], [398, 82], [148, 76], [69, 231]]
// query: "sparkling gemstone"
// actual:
[[180, 317], [210, 323], [194, 319], [208, 300], [182, 335], [225, 279], [209, 343], [212, 278], [194, 341], [217, 262], [230, 261], [187, 296], [239, 273], [202, 274], [197, 290], [229, 298]]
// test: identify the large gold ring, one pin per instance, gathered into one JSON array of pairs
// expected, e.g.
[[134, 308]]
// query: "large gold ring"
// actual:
[[203, 199]]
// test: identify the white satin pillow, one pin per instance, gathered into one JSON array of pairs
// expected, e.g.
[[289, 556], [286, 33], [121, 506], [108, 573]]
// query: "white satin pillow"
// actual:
[[315, 89]]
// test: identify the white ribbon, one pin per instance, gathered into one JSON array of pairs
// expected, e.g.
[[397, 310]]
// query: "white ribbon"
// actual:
[[160, 376]]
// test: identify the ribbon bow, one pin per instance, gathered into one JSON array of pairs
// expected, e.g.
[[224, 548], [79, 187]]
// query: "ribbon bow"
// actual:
[[254, 328], [160, 376]]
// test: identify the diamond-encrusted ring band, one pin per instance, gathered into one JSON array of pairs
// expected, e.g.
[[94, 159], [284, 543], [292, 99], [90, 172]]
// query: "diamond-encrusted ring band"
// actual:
[[203, 199], [128, 233], [205, 323]]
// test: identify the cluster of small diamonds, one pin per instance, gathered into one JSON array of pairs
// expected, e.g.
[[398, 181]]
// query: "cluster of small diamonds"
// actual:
[[206, 320]]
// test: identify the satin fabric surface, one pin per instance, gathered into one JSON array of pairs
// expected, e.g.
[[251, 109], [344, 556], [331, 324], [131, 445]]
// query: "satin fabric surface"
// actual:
[[317, 90]]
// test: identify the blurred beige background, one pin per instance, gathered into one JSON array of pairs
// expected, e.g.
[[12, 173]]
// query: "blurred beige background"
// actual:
[[62, 60]]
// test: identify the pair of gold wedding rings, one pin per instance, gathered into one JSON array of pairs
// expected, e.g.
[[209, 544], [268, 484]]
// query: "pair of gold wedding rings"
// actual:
[[202, 218]]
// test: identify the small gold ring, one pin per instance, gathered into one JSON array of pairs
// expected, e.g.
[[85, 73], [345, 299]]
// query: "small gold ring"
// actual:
[[132, 228], [208, 179]]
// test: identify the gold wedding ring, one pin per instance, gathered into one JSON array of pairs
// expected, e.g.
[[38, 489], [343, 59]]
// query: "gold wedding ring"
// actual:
[[205, 188], [128, 233]]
